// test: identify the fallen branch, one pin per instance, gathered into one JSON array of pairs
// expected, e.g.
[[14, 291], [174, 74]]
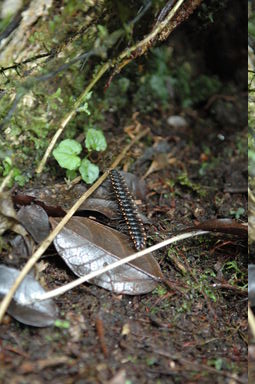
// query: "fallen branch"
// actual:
[[45, 244]]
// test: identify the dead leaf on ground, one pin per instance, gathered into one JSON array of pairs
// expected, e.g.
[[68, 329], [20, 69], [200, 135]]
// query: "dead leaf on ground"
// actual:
[[159, 163], [8, 217], [58, 199], [22, 247], [35, 220], [38, 314], [87, 246]]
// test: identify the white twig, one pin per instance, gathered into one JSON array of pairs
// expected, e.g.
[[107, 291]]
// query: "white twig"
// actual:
[[128, 259]]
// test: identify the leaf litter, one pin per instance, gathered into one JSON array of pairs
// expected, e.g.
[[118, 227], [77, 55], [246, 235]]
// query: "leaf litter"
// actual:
[[87, 246], [37, 314]]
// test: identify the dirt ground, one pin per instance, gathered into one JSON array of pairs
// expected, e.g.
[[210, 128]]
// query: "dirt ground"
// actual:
[[184, 334], [194, 330]]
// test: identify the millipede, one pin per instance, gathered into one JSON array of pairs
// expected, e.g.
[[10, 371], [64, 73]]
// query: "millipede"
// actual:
[[128, 209]]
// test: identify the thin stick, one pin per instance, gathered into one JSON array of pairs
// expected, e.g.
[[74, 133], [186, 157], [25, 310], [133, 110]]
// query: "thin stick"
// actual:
[[125, 260], [70, 114], [151, 36], [45, 244]]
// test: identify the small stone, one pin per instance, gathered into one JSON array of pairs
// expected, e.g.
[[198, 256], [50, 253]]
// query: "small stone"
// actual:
[[177, 121]]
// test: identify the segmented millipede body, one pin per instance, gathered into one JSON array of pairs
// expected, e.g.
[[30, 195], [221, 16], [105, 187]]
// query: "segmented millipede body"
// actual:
[[128, 209]]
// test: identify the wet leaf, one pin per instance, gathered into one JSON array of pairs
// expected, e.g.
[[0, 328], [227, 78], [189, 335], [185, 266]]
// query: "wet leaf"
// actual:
[[86, 246], [35, 220], [66, 154], [38, 314]]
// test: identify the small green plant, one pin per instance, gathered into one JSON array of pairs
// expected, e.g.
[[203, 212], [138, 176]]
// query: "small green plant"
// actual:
[[7, 167], [67, 154], [184, 180], [64, 324], [216, 363], [237, 213], [237, 275], [160, 291]]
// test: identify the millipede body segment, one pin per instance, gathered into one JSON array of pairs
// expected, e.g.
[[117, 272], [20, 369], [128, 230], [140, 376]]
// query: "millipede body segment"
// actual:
[[128, 209]]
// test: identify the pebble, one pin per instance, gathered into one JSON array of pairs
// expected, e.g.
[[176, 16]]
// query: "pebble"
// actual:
[[177, 121]]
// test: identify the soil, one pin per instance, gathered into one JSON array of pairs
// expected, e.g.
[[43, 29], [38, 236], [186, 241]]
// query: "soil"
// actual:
[[195, 329], [185, 333]]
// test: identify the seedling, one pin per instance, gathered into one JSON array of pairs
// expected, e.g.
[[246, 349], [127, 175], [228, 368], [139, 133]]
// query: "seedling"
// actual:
[[68, 157]]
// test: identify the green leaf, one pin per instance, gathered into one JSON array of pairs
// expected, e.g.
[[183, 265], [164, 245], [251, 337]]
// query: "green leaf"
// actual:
[[64, 324], [85, 106], [95, 140], [89, 172], [71, 174], [66, 154], [7, 163]]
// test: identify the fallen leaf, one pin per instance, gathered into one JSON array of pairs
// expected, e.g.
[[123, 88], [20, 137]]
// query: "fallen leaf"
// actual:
[[58, 199], [22, 246], [86, 246], [38, 314], [35, 220], [8, 217], [160, 162], [108, 208]]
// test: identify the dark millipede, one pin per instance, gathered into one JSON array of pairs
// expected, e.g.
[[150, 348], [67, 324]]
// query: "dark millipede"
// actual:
[[128, 209]]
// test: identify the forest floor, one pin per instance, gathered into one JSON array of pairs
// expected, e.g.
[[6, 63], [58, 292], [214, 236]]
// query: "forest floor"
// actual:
[[193, 331]]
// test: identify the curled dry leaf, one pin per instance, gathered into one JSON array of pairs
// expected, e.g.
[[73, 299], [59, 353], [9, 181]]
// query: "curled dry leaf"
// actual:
[[108, 208], [35, 220], [21, 247], [87, 246], [8, 218], [38, 314]]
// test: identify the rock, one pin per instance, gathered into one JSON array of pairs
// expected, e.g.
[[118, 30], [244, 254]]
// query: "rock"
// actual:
[[177, 121]]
